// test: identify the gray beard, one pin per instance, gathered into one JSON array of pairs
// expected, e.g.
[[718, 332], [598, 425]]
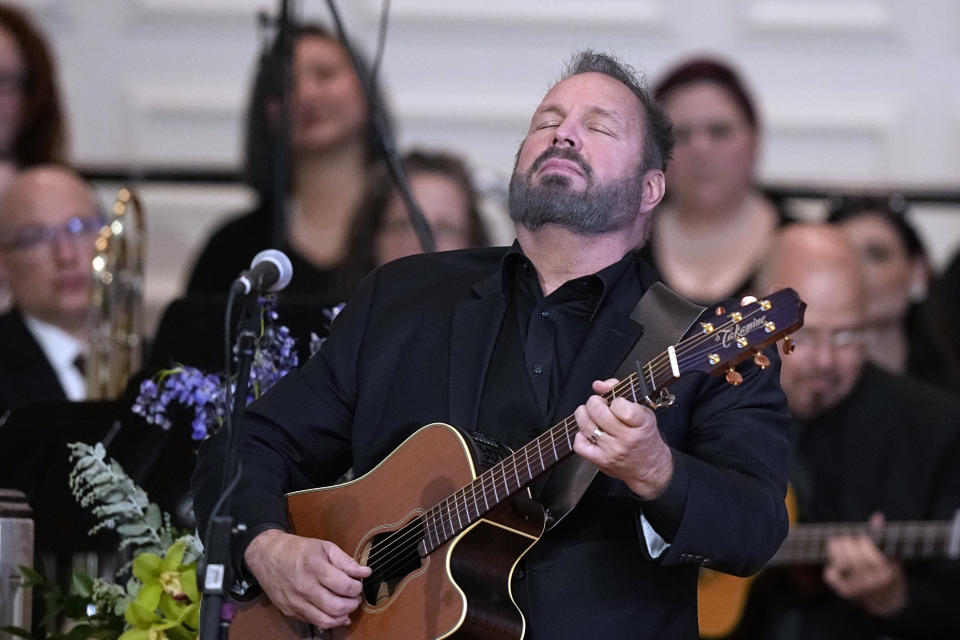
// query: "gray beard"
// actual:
[[597, 209]]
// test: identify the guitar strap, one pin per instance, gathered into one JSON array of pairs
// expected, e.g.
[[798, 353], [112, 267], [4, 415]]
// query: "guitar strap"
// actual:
[[665, 317]]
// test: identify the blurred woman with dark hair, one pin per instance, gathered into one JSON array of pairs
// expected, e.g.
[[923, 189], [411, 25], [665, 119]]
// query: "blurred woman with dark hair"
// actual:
[[897, 273], [443, 189], [32, 125], [715, 225], [333, 154]]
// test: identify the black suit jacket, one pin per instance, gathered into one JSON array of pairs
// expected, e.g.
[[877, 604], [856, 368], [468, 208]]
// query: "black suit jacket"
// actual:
[[412, 347], [25, 374]]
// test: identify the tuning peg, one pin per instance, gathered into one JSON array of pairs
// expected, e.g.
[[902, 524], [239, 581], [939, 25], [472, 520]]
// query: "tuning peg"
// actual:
[[733, 377], [788, 345], [745, 300], [761, 360], [721, 311]]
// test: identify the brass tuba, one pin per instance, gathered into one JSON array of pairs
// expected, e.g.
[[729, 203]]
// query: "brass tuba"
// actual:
[[116, 313]]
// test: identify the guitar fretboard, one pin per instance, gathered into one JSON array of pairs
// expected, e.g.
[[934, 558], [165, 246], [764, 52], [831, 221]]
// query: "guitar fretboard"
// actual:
[[510, 475], [807, 543], [708, 349]]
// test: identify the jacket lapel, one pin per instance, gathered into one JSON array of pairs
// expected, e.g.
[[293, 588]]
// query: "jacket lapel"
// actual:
[[473, 334], [612, 335]]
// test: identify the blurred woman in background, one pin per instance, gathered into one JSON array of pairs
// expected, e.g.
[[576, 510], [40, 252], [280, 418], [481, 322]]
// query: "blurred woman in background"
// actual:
[[333, 156], [715, 225], [442, 187], [33, 128], [897, 273]]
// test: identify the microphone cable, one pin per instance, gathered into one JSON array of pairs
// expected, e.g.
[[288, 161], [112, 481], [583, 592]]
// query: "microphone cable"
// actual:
[[387, 145]]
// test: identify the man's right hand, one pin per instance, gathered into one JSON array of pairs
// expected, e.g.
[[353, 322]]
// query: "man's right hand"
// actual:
[[312, 580]]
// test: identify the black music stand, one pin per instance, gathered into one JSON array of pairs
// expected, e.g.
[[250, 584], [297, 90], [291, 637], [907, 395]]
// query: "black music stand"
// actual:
[[34, 458]]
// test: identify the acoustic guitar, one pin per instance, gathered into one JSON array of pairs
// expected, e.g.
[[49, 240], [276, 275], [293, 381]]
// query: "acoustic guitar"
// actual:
[[721, 598], [442, 536]]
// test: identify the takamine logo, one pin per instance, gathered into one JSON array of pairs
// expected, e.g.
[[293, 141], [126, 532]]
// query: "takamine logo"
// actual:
[[729, 335]]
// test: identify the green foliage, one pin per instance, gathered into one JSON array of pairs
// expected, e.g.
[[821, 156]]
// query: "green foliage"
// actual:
[[118, 503], [160, 600]]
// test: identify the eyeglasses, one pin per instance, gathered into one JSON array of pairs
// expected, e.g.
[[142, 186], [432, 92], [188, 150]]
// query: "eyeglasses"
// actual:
[[34, 236], [835, 338]]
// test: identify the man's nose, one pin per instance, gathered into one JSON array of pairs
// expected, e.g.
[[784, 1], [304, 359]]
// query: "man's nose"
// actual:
[[65, 247], [823, 353], [567, 135]]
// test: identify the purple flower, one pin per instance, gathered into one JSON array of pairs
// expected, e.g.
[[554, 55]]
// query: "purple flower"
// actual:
[[189, 387]]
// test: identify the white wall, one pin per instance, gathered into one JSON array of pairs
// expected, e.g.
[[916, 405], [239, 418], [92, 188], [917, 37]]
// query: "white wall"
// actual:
[[852, 91]]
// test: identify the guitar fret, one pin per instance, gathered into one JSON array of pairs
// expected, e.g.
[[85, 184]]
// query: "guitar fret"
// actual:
[[449, 517], [430, 541], [467, 501], [483, 491], [476, 503], [911, 540], [893, 543], [930, 546]]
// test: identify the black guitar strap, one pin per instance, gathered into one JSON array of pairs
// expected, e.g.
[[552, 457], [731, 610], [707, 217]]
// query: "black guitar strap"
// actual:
[[665, 318]]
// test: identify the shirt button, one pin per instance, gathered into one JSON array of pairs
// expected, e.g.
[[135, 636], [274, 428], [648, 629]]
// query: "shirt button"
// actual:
[[544, 314], [537, 369]]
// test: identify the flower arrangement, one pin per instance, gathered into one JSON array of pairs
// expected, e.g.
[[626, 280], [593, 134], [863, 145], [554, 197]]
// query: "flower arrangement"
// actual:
[[161, 600]]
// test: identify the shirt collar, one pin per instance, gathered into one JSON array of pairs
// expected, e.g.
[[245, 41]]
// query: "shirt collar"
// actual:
[[60, 347], [514, 259]]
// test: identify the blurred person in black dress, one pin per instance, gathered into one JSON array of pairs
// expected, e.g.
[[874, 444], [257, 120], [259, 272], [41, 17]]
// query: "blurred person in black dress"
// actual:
[[333, 154]]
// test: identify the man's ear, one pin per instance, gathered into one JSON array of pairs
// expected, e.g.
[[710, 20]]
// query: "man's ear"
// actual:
[[653, 189]]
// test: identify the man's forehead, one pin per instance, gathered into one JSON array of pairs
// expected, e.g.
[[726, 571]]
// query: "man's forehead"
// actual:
[[595, 91], [46, 201]]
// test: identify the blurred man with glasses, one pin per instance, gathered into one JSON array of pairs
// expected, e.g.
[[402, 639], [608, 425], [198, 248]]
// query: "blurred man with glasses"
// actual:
[[867, 445], [49, 221]]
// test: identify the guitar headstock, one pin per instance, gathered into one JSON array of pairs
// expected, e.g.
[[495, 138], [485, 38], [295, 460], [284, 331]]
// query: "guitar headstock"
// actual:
[[725, 337]]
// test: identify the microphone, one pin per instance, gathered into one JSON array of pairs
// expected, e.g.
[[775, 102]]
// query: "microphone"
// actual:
[[270, 270]]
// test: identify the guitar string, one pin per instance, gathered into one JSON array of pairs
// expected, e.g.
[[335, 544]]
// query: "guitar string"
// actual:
[[405, 540], [661, 364], [408, 540]]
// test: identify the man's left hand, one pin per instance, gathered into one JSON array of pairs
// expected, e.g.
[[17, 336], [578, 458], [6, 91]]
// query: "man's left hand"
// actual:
[[858, 571], [623, 440]]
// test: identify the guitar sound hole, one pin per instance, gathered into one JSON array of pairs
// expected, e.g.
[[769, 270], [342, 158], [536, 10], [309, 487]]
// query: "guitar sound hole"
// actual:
[[393, 556]]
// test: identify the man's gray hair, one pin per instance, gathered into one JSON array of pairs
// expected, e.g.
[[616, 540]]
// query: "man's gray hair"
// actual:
[[658, 137]]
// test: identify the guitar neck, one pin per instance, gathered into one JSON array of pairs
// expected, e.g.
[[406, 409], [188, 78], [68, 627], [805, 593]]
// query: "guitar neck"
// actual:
[[712, 347], [516, 471], [807, 543]]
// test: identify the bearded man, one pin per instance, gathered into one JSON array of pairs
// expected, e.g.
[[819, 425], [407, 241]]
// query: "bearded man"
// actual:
[[506, 342]]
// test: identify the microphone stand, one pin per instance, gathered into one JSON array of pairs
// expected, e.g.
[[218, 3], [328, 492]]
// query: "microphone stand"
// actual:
[[215, 614], [277, 60]]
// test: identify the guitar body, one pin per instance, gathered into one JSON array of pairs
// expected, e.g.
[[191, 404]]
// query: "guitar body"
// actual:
[[461, 590]]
